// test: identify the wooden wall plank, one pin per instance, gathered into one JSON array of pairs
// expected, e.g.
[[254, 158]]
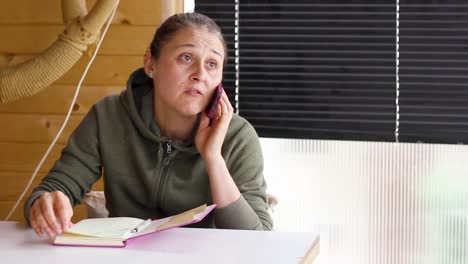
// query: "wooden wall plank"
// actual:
[[26, 12], [45, 128], [33, 39], [22, 12], [27, 39], [17, 181], [5, 207], [24, 157], [62, 95], [105, 70]]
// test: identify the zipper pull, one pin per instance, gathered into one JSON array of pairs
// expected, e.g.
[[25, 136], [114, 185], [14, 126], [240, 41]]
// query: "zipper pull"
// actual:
[[168, 147]]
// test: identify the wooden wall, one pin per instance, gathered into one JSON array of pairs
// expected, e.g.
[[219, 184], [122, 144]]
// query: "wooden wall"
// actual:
[[29, 125]]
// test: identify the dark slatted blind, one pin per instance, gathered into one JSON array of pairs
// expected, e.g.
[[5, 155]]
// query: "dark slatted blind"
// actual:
[[326, 69], [223, 12], [318, 69], [434, 71]]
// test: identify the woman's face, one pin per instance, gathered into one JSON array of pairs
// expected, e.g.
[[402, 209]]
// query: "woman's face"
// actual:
[[188, 70]]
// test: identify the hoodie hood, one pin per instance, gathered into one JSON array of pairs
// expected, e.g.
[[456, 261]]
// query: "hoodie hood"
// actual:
[[138, 100]]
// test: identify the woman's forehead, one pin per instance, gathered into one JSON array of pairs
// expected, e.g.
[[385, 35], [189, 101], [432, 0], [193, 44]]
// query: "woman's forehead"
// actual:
[[197, 38]]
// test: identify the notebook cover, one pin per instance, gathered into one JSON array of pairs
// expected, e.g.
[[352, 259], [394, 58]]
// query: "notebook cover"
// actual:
[[208, 210]]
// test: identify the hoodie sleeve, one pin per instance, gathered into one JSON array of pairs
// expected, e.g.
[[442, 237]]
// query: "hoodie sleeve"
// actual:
[[244, 159], [77, 169]]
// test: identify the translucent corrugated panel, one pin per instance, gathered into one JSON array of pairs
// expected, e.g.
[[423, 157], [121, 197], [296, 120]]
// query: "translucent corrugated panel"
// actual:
[[373, 202]]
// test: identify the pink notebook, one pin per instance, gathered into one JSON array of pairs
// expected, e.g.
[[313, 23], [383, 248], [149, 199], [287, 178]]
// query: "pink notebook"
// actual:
[[116, 231]]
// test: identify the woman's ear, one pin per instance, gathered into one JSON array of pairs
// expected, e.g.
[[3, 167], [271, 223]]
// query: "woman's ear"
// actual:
[[148, 63]]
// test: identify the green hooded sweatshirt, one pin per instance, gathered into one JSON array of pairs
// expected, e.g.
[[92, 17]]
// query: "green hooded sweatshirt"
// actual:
[[149, 176]]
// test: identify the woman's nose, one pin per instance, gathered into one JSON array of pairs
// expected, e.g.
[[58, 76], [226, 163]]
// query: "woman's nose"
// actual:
[[199, 73]]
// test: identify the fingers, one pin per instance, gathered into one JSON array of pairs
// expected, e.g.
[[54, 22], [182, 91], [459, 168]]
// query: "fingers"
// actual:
[[64, 212], [225, 108], [204, 121], [50, 214], [65, 218], [225, 99], [37, 221]]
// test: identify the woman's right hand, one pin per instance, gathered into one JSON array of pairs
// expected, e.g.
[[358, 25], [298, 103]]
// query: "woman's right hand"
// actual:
[[210, 138], [51, 214]]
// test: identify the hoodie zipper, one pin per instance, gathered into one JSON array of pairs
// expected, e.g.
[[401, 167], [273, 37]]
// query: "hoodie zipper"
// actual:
[[167, 155], [168, 146]]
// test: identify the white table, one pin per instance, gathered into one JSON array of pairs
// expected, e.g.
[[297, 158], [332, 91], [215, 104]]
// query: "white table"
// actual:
[[19, 244]]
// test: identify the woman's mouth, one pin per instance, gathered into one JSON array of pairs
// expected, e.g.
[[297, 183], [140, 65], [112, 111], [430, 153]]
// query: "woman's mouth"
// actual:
[[194, 92]]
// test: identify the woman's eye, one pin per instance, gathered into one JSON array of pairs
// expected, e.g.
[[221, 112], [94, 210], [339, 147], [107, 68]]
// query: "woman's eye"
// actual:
[[186, 58], [212, 64]]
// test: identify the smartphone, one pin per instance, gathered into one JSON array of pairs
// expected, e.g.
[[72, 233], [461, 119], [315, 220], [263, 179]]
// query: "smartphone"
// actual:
[[213, 104]]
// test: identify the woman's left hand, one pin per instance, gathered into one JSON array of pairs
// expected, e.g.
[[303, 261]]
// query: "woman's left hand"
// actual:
[[209, 139]]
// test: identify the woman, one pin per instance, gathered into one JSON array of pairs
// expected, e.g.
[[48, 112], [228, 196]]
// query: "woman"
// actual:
[[160, 154]]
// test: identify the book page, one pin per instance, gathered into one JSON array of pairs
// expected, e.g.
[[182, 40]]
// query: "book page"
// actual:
[[181, 219], [153, 226], [80, 240], [113, 227]]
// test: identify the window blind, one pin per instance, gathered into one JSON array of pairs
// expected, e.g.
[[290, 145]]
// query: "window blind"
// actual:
[[318, 70], [328, 69], [434, 71]]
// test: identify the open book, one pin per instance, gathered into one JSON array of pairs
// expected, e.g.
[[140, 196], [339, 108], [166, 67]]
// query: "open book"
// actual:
[[115, 231]]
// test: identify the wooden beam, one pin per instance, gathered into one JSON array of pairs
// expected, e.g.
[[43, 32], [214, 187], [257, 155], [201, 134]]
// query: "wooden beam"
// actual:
[[105, 70], [23, 12], [45, 127], [41, 103], [17, 181], [33, 39], [24, 157]]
